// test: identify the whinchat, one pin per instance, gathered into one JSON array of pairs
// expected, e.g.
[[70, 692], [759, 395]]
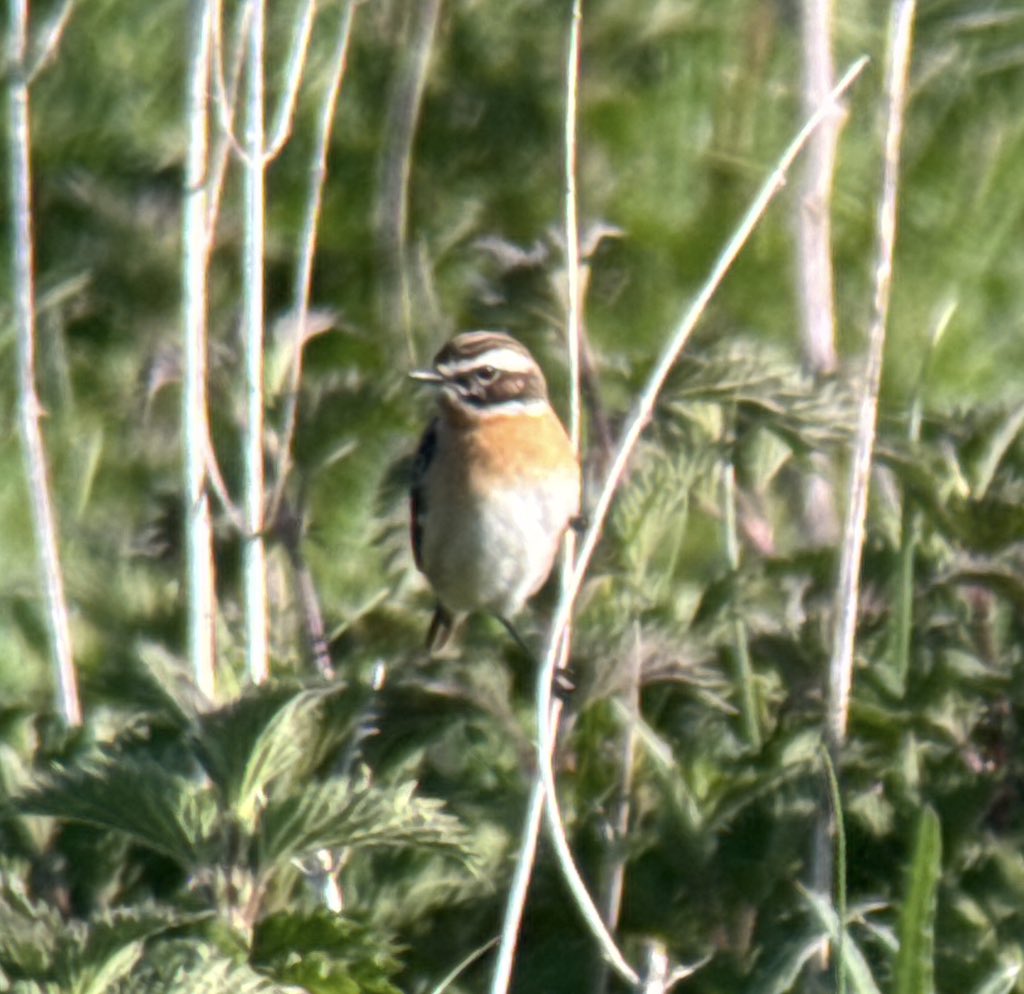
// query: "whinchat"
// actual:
[[496, 481]]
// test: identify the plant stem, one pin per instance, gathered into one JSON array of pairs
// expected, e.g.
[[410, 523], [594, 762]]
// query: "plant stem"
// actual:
[[813, 212], [198, 526], [840, 674], [526, 857], [635, 425], [741, 649], [307, 251], [29, 409], [392, 206], [613, 870], [841, 665], [254, 565]]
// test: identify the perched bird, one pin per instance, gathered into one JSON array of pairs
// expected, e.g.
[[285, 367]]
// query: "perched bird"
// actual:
[[495, 484]]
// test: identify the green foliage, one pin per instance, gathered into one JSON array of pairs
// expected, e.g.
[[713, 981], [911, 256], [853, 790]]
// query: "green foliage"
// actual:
[[324, 954], [915, 965], [236, 798], [177, 845], [137, 797]]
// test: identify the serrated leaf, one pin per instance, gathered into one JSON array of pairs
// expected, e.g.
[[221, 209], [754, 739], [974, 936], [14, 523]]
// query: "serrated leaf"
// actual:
[[990, 447], [340, 812], [915, 963], [29, 933], [108, 947], [193, 967], [174, 682], [271, 732], [785, 972], [137, 797], [324, 953], [855, 964], [99, 977]]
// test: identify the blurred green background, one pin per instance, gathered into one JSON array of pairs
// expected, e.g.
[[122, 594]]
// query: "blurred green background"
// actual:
[[684, 107]]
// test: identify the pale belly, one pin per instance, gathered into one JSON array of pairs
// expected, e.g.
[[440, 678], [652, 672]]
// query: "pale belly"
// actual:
[[493, 554]]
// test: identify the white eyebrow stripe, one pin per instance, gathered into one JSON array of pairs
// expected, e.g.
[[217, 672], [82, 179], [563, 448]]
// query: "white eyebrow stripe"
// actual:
[[505, 359], [534, 408]]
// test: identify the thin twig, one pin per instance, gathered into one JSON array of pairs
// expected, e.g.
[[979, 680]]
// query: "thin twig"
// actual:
[[283, 120], [840, 675], [215, 478], [637, 422], [223, 100], [29, 409], [741, 647], [226, 110], [836, 803], [304, 266], [48, 41], [195, 429], [903, 599], [572, 234], [841, 665], [613, 872], [288, 529], [255, 565], [813, 201], [516, 901], [526, 856], [392, 207], [814, 271], [460, 968]]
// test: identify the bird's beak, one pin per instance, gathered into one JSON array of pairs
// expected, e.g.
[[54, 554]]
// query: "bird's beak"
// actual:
[[426, 376]]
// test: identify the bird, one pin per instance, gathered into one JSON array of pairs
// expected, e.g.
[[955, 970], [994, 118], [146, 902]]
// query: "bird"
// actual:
[[496, 482]]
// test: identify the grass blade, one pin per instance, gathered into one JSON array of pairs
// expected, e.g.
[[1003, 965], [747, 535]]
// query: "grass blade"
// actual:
[[915, 964]]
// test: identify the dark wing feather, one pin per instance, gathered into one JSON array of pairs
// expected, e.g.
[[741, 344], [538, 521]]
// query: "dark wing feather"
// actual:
[[417, 490]]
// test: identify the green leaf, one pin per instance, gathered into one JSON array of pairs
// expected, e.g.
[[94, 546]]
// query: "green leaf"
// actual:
[[29, 933], [325, 953], [1003, 979], [784, 973], [992, 445], [174, 682], [98, 978], [108, 947], [341, 812], [854, 962], [188, 966], [273, 731], [137, 797], [915, 963]]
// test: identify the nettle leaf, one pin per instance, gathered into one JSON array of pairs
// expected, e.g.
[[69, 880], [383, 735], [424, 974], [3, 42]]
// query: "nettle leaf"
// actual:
[[650, 521], [80, 956], [852, 959], [97, 977], [767, 389], [30, 932], [342, 812], [107, 948], [325, 953], [137, 797], [173, 681], [271, 732], [186, 966]]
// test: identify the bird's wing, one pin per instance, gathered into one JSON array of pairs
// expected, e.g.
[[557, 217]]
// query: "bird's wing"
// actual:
[[417, 490]]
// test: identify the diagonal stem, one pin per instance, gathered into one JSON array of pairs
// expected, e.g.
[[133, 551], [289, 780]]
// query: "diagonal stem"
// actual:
[[637, 422]]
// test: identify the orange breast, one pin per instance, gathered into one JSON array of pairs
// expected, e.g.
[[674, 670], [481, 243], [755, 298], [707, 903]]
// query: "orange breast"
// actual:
[[517, 448]]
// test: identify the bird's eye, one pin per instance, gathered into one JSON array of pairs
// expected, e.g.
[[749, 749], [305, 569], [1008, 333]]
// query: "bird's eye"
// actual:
[[486, 374]]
